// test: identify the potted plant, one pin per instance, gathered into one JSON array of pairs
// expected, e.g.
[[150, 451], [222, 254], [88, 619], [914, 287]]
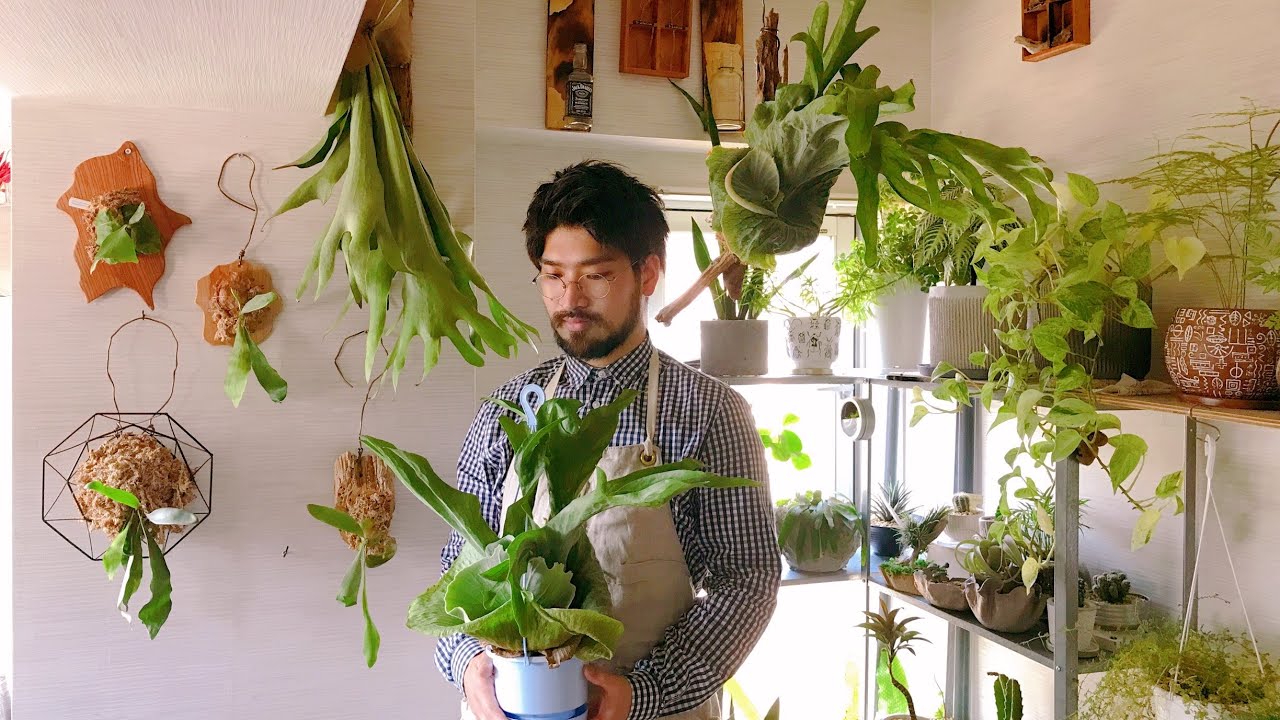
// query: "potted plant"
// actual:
[[1008, 697], [533, 592], [1218, 186], [895, 638], [900, 574], [901, 300], [817, 534], [812, 325], [1086, 617], [966, 512], [915, 532], [939, 589], [1118, 608], [894, 502], [1211, 675], [1006, 593]]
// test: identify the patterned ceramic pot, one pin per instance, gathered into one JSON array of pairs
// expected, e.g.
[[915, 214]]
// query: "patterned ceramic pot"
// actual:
[[1223, 356], [812, 343]]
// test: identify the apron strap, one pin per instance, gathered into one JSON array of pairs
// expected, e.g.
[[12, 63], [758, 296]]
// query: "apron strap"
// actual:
[[554, 382]]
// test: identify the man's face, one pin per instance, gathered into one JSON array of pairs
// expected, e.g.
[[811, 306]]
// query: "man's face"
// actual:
[[587, 326]]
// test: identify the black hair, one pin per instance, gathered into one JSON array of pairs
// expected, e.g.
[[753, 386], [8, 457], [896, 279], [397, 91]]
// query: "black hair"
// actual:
[[605, 200]]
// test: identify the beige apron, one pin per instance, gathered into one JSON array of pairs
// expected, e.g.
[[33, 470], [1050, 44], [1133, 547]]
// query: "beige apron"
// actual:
[[638, 549]]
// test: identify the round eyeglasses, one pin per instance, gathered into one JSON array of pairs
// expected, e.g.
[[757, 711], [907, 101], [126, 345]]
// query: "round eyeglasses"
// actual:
[[593, 285]]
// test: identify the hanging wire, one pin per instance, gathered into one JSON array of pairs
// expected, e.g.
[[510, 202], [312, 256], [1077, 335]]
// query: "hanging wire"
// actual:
[[253, 170], [173, 380]]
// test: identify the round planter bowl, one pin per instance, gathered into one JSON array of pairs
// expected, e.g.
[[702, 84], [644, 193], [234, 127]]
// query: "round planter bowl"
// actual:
[[528, 688], [905, 584], [884, 541], [1013, 612], [963, 527], [813, 343], [735, 348], [985, 522], [1121, 616], [946, 595], [1224, 357], [824, 564]]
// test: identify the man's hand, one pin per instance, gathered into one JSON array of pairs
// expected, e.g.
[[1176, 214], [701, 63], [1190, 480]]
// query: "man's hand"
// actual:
[[477, 686], [613, 701]]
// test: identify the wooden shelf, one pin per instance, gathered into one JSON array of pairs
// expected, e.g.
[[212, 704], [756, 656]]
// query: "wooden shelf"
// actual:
[[1044, 24]]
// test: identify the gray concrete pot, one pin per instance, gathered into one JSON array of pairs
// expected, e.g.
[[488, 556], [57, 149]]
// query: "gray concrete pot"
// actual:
[[734, 348]]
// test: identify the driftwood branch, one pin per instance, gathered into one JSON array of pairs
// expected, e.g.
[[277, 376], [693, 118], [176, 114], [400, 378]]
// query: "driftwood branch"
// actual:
[[722, 264]]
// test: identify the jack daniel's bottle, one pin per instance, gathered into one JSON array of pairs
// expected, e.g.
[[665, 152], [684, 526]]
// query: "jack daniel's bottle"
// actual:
[[579, 91]]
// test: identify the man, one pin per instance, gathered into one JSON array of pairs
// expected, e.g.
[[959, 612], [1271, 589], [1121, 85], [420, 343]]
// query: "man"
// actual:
[[693, 583]]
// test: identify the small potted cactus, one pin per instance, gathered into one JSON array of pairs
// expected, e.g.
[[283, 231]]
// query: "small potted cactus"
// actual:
[[940, 589], [1086, 617], [966, 510], [1118, 607]]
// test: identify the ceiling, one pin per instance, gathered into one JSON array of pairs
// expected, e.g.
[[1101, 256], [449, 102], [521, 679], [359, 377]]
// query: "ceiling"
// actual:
[[279, 55]]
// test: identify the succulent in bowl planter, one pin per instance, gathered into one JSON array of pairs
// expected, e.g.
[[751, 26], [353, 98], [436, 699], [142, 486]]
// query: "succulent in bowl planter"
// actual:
[[1009, 567], [916, 532], [1118, 607], [535, 587], [934, 583], [887, 510], [901, 574], [818, 534]]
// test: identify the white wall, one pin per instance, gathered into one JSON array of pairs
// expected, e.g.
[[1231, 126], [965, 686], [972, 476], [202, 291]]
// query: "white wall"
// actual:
[[1153, 65]]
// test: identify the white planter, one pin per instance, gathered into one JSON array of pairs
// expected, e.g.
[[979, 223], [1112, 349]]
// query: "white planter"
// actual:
[[959, 326], [812, 343], [528, 688], [899, 324], [1085, 619], [962, 527], [734, 348], [1168, 706], [1121, 616]]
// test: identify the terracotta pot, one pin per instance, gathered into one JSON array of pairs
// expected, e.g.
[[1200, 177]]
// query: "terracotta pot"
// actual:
[[1013, 612], [1222, 356], [735, 348], [902, 583], [947, 595], [813, 343], [1124, 350]]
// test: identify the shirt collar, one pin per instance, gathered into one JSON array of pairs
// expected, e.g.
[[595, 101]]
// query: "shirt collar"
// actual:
[[628, 371]]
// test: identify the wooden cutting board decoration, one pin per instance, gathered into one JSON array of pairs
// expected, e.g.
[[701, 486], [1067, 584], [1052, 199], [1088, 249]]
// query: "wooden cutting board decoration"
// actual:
[[107, 181]]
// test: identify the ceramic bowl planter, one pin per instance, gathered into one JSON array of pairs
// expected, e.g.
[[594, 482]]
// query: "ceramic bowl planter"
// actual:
[[900, 318], [985, 522], [735, 348], [1124, 350], [813, 344], [959, 326], [885, 541], [529, 688], [905, 583], [1086, 617], [1013, 612], [947, 595], [1221, 356], [1120, 616]]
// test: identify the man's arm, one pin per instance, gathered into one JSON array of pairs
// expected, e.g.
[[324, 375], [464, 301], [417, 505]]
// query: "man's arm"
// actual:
[[482, 465], [731, 548]]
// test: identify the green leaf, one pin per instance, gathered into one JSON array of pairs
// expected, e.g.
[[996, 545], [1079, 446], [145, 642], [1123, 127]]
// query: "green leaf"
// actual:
[[1050, 338], [1115, 224], [790, 441], [1125, 287], [118, 247], [372, 640], [133, 570], [171, 516], [1065, 443], [1146, 527], [1083, 189], [138, 212], [1138, 262], [1071, 413], [1028, 401], [257, 303], [1128, 452], [1170, 486], [1183, 253], [113, 558], [124, 497], [801, 461], [1030, 572], [238, 366], [790, 419], [1044, 520], [350, 586], [154, 614], [920, 412], [1137, 314], [335, 518], [266, 375]]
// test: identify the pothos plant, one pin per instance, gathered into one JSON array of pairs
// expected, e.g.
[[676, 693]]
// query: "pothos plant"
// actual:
[[246, 356], [373, 551], [1087, 264], [123, 233], [536, 586], [126, 552]]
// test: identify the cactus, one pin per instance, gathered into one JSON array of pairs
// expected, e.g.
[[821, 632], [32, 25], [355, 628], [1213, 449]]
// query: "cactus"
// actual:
[[1111, 587], [1008, 697], [1082, 589], [962, 503]]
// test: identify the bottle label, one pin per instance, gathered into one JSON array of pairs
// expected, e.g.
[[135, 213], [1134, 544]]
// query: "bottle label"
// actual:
[[579, 92]]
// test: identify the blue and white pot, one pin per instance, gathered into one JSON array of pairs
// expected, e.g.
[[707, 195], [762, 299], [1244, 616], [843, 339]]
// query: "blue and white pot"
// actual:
[[528, 689]]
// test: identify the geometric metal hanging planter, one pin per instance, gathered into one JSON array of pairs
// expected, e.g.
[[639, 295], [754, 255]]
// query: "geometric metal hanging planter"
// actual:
[[148, 454]]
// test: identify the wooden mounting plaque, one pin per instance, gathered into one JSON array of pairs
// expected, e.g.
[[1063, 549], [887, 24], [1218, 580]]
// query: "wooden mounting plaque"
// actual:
[[568, 22], [396, 42], [123, 169]]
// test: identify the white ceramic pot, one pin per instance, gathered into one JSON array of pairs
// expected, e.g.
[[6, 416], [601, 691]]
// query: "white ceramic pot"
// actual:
[[963, 527], [1085, 619], [1168, 706], [899, 323], [528, 688], [959, 326], [734, 348], [813, 344]]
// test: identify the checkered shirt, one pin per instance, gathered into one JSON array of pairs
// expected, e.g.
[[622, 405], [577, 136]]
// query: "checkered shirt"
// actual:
[[727, 535]]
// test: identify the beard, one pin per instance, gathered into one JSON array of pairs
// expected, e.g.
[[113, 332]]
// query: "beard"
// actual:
[[600, 338]]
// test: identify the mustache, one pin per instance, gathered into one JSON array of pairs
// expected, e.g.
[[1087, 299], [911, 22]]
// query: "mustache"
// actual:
[[563, 315]]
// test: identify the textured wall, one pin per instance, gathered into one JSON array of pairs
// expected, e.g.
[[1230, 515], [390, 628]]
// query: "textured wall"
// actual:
[[1153, 65]]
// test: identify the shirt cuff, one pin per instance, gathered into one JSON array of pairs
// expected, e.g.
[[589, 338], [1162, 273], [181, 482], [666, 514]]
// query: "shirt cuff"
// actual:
[[646, 696], [462, 655]]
